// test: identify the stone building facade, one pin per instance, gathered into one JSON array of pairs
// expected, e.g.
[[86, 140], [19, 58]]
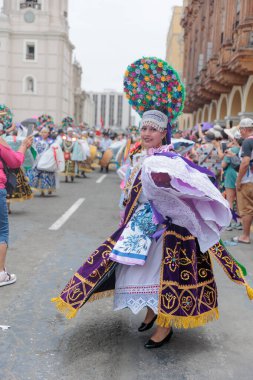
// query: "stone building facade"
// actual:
[[175, 50], [78, 93], [36, 70], [218, 60], [175, 41]]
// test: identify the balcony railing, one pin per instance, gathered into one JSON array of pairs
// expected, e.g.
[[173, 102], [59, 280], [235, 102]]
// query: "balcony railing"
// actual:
[[30, 4]]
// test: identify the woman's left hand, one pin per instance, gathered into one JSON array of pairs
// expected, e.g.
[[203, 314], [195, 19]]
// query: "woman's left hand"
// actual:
[[161, 179], [228, 153], [27, 142]]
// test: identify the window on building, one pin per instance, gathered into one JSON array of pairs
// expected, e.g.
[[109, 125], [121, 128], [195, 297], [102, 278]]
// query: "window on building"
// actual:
[[29, 85], [200, 62], [120, 110], [35, 4], [223, 20], [209, 50], [238, 6], [103, 107], [111, 111], [251, 39], [30, 51], [238, 10], [95, 99]]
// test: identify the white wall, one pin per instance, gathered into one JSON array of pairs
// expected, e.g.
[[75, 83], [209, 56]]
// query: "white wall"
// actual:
[[52, 68]]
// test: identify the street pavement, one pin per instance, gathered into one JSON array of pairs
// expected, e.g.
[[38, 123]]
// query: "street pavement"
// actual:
[[99, 343]]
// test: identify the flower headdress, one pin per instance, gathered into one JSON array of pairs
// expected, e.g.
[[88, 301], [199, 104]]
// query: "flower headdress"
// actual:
[[46, 120], [151, 84], [5, 116], [68, 121]]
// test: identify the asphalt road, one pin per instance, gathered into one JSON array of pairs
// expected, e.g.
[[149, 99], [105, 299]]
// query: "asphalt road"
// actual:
[[99, 343]]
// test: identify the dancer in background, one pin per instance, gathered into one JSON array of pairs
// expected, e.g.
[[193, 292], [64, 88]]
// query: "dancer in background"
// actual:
[[68, 143], [39, 179]]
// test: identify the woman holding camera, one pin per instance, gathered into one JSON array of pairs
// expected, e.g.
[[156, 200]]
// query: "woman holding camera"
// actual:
[[12, 160]]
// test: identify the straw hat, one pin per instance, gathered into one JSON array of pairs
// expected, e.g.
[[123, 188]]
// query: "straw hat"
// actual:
[[233, 133]]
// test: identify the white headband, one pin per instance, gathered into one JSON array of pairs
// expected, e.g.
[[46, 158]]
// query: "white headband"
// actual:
[[155, 119]]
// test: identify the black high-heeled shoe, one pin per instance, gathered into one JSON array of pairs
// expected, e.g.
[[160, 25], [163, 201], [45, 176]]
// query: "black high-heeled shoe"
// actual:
[[151, 344], [147, 326]]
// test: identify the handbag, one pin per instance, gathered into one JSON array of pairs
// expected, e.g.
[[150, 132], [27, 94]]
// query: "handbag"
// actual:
[[235, 162], [66, 156], [11, 178]]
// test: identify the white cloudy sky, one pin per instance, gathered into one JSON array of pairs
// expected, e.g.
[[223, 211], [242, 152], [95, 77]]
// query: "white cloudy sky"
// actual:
[[110, 34]]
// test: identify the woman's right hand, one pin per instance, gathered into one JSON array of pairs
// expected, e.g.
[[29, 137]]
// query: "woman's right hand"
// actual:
[[27, 142]]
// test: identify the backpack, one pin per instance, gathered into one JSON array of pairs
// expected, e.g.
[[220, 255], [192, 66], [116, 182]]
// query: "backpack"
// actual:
[[235, 162], [11, 178]]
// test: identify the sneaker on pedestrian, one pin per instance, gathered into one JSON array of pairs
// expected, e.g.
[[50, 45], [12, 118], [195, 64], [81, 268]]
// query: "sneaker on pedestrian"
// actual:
[[229, 228], [238, 226], [6, 278]]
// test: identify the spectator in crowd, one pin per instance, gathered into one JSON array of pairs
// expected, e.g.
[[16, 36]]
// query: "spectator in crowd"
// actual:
[[244, 183], [91, 138], [105, 144], [230, 165], [209, 153], [177, 133], [13, 160]]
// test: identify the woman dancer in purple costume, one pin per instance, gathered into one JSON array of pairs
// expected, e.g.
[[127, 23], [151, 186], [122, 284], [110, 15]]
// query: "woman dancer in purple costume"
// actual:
[[159, 258]]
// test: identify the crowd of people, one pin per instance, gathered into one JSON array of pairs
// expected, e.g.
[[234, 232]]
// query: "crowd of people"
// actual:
[[72, 151], [228, 153], [35, 154]]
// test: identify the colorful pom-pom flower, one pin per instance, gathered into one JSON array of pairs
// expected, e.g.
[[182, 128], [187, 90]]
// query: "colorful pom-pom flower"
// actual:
[[158, 86], [68, 121], [5, 116], [45, 119]]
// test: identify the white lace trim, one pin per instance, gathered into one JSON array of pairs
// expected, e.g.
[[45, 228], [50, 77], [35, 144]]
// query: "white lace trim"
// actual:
[[139, 289], [136, 302]]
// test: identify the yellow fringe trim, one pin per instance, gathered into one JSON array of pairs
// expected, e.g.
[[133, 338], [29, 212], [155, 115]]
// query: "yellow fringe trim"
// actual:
[[64, 308], [69, 311], [70, 174], [38, 189], [11, 200], [101, 295], [179, 322], [249, 292], [248, 288]]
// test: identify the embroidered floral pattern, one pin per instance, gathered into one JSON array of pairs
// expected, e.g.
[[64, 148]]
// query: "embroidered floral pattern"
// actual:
[[134, 243], [143, 220]]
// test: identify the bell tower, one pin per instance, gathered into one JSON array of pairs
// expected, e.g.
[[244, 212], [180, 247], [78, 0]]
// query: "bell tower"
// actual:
[[36, 71]]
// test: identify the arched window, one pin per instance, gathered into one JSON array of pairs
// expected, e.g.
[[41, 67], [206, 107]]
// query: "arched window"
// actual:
[[29, 85]]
